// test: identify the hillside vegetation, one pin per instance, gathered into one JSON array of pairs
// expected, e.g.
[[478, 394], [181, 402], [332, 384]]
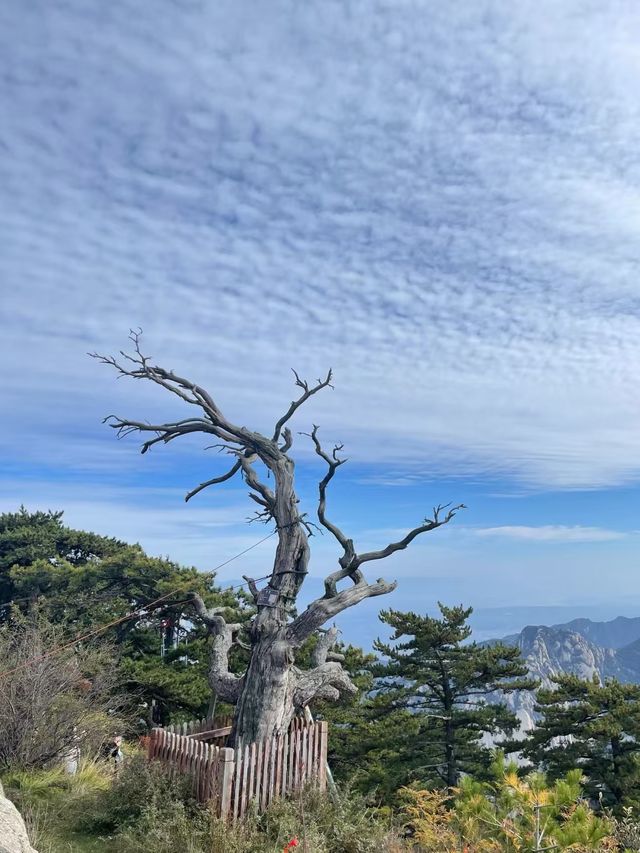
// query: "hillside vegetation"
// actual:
[[414, 752]]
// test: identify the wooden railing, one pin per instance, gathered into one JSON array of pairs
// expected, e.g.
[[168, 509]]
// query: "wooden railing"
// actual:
[[214, 730], [231, 780]]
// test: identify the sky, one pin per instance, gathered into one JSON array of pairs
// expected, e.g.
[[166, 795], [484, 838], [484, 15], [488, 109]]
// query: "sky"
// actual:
[[439, 201]]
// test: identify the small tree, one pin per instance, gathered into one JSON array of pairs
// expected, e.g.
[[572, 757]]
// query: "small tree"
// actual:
[[270, 690], [509, 813], [595, 727], [528, 814], [441, 684]]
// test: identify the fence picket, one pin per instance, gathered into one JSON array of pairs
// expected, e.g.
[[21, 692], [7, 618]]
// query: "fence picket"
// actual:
[[259, 762], [304, 748], [264, 775], [278, 779], [209, 770], [275, 747], [285, 764], [322, 755], [311, 767], [291, 761], [252, 770], [237, 782], [245, 781]]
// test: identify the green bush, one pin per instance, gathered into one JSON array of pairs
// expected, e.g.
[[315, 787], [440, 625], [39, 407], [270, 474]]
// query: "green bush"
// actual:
[[163, 827], [145, 810], [140, 789], [148, 811], [344, 825]]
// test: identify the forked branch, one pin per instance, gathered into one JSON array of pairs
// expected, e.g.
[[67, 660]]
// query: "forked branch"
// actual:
[[307, 391], [327, 679], [244, 443], [334, 601], [333, 463], [428, 525]]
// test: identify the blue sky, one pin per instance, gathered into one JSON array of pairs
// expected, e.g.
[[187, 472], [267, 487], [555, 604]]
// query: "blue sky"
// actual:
[[440, 201]]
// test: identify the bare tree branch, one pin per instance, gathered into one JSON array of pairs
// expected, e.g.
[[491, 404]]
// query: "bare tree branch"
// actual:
[[251, 478], [333, 601], [239, 440], [214, 481], [333, 463], [211, 616], [350, 561], [187, 390], [307, 391], [288, 440], [429, 524], [253, 588], [327, 679], [323, 609], [323, 650]]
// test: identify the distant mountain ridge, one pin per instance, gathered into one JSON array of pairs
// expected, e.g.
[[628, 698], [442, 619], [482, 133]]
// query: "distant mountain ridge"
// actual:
[[618, 632], [582, 647]]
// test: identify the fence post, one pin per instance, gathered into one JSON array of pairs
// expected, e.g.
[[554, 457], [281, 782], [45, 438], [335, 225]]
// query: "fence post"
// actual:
[[324, 773], [227, 765], [152, 744]]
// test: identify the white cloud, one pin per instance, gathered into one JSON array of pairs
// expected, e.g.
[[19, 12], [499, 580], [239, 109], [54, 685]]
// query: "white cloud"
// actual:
[[440, 201], [552, 533]]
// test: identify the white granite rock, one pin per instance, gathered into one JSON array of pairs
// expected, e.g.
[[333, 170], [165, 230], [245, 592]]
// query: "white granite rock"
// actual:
[[13, 833]]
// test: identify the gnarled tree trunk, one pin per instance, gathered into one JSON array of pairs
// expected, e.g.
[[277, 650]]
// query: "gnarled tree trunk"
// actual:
[[272, 689]]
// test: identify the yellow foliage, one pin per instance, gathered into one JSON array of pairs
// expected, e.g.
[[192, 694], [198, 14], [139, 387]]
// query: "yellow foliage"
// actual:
[[430, 819], [513, 813]]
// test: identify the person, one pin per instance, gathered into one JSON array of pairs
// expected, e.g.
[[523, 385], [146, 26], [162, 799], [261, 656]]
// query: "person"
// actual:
[[115, 752], [72, 757]]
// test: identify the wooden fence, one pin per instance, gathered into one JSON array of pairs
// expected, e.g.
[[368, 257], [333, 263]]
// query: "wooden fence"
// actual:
[[232, 780], [214, 730]]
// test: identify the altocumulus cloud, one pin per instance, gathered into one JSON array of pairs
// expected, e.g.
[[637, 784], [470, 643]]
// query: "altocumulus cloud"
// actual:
[[440, 200]]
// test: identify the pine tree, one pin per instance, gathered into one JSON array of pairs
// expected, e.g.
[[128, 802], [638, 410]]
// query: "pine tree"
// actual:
[[80, 580], [508, 813], [439, 684], [595, 727]]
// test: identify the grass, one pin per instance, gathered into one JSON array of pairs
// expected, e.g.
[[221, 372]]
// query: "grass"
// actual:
[[146, 811], [50, 802]]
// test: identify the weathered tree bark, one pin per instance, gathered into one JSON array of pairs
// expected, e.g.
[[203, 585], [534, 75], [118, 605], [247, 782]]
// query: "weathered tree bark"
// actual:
[[272, 689]]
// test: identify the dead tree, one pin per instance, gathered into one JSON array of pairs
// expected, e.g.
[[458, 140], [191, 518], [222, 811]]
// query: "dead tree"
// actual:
[[268, 694]]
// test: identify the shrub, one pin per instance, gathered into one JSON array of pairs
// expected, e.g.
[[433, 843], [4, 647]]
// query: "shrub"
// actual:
[[626, 831], [51, 706], [140, 788], [147, 811], [341, 825]]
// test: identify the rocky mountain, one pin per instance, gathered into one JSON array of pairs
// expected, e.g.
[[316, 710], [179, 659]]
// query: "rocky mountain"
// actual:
[[614, 634], [582, 647]]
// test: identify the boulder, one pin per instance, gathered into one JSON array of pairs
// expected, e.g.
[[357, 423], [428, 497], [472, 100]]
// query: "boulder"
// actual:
[[13, 833]]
